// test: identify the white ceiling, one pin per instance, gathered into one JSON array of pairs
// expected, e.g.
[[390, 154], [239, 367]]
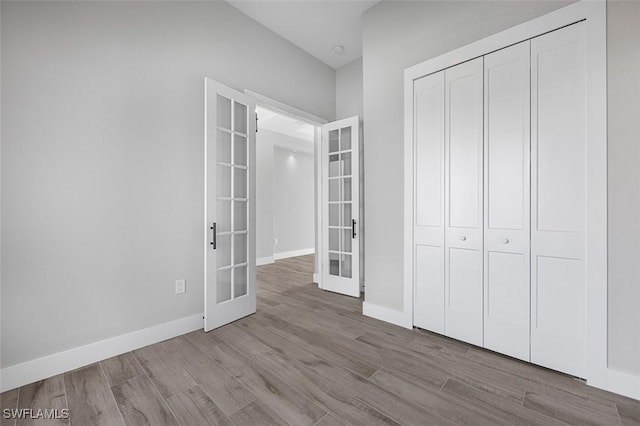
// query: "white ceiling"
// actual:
[[314, 26], [285, 125]]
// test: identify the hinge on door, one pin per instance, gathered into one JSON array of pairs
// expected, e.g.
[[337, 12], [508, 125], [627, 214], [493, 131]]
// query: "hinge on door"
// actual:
[[256, 123]]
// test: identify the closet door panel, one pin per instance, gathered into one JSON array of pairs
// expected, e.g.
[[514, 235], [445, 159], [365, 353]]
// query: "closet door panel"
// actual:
[[507, 194], [429, 201], [429, 132], [464, 144], [429, 288], [463, 201], [464, 295], [558, 288]]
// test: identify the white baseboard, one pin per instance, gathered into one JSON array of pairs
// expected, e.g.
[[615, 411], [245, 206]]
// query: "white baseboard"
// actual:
[[294, 253], [316, 279], [50, 365], [264, 260], [388, 315], [619, 382]]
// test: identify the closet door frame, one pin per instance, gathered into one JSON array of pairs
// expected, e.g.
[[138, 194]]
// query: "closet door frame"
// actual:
[[594, 15]]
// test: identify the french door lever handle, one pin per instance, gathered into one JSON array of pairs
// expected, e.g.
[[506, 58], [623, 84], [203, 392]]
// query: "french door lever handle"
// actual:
[[353, 228], [213, 229]]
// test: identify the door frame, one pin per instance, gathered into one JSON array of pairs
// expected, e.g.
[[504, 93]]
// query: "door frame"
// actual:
[[317, 122], [594, 14]]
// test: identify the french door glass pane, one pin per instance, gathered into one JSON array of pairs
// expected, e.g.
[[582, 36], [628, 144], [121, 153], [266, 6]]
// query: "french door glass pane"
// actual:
[[223, 249], [334, 264], [334, 141], [345, 265], [346, 163], [223, 214], [345, 138], [346, 218], [223, 149], [346, 194], [239, 249], [240, 117], [239, 183], [334, 190], [346, 241], [334, 215], [239, 281], [223, 284], [334, 165], [334, 239], [239, 150], [240, 215], [223, 181], [224, 112]]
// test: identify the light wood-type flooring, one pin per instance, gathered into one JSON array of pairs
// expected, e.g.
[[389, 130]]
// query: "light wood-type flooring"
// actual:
[[309, 357]]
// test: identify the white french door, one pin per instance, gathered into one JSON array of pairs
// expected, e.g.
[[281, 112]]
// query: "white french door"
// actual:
[[341, 207], [230, 238]]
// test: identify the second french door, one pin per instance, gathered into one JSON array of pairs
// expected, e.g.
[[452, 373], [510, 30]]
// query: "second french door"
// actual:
[[341, 207]]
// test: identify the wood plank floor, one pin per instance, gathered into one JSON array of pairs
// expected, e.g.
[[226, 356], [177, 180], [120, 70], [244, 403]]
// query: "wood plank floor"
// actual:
[[309, 357]]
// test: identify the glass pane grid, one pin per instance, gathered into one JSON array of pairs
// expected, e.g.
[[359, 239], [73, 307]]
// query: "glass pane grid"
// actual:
[[233, 166], [233, 232], [340, 180], [231, 199], [232, 132], [234, 188]]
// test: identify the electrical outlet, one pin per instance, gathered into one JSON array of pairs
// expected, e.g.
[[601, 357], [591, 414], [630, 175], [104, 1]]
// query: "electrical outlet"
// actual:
[[181, 286]]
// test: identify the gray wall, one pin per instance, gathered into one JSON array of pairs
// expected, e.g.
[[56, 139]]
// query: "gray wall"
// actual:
[[102, 169], [349, 90], [267, 192], [401, 34], [623, 50], [293, 200]]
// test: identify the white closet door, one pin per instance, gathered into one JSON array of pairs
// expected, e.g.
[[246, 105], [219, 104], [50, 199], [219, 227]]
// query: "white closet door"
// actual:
[[507, 194], [463, 201], [428, 312], [558, 165]]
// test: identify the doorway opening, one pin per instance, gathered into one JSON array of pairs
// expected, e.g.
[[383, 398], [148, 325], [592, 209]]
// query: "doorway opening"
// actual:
[[286, 213]]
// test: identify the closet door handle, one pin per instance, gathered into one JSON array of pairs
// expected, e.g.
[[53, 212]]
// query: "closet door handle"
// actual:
[[214, 234], [353, 228], [506, 241], [463, 238]]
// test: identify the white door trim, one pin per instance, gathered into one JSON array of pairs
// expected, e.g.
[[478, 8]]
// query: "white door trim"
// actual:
[[285, 109], [594, 15]]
